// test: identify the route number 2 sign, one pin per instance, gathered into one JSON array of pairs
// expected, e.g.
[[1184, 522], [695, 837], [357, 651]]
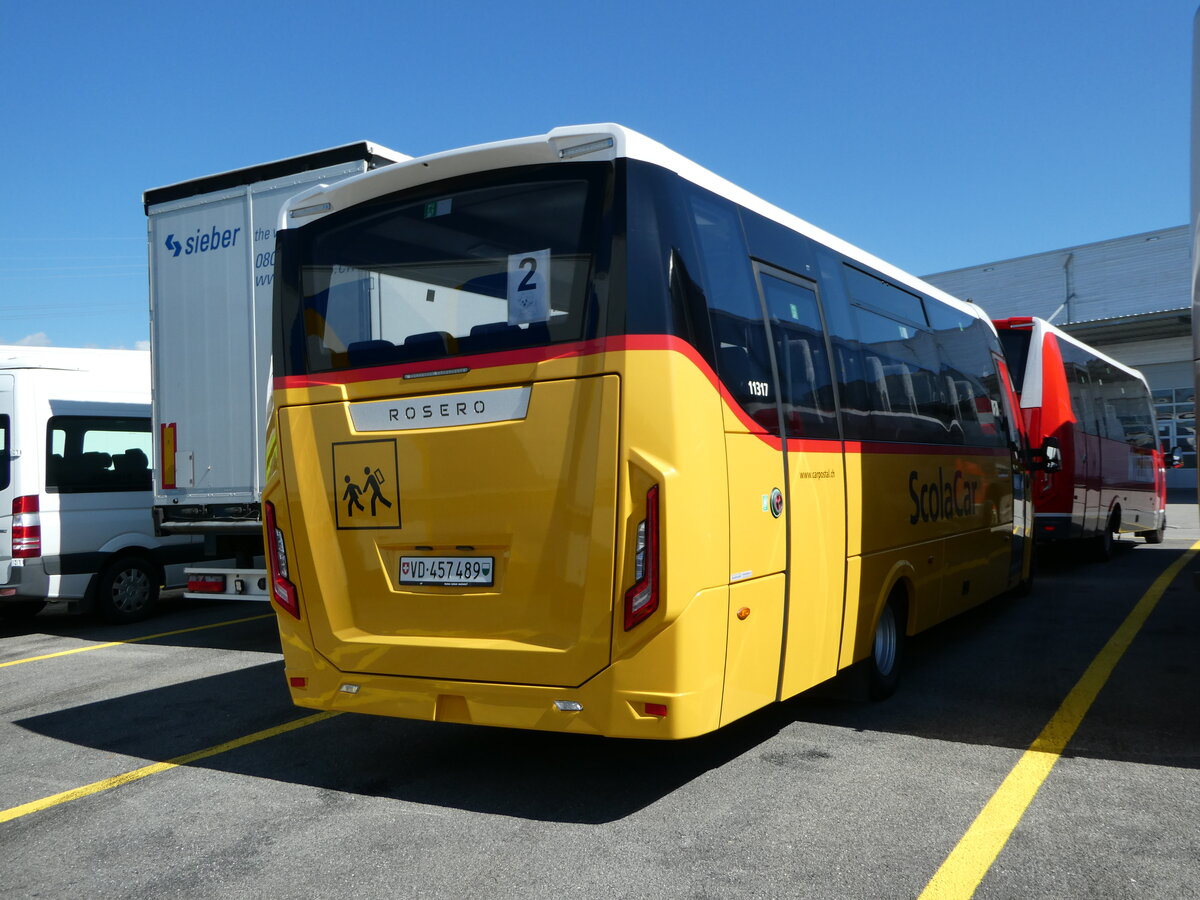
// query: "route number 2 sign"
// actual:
[[529, 287]]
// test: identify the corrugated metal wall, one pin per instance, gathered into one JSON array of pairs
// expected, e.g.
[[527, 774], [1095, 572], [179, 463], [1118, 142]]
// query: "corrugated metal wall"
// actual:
[[1122, 277]]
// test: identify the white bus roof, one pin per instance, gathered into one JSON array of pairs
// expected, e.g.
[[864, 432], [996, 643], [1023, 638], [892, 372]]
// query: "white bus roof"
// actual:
[[1041, 326], [598, 142]]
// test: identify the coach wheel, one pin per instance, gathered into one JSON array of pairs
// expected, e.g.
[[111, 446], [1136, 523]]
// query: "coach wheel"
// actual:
[[20, 610], [127, 590], [1156, 536], [1104, 540], [887, 650]]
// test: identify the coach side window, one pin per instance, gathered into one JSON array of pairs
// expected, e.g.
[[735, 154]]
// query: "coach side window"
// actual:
[[801, 355], [965, 346], [739, 332]]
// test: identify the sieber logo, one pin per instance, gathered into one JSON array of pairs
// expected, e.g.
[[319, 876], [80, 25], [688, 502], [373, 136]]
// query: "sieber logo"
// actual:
[[203, 241]]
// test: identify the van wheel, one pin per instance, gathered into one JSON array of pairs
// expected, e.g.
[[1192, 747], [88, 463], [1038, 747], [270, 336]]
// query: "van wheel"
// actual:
[[127, 590], [20, 610], [886, 651]]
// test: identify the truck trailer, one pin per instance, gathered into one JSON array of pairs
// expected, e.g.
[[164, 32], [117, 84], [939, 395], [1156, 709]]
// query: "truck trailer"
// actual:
[[211, 244]]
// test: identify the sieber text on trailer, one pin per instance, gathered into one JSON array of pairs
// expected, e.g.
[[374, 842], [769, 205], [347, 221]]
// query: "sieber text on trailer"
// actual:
[[202, 243]]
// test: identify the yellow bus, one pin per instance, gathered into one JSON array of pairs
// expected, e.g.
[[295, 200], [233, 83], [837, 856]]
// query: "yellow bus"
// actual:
[[569, 433]]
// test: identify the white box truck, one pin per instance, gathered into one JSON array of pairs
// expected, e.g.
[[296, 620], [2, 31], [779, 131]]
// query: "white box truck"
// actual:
[[212, 249], [75, 522]]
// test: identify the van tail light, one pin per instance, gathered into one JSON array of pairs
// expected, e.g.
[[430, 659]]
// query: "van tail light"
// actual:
[[282, 590], [642, 599], [26, 528]]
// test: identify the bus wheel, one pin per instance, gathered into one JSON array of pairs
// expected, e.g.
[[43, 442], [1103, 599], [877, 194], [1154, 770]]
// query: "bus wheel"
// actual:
[[127, 590], [887, 650], [1156, 536], [1104, 540], [20, 610]]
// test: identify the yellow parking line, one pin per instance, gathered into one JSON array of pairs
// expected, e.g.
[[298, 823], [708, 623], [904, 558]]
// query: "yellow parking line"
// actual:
[[148, 637], [108, 783], [967, 864]]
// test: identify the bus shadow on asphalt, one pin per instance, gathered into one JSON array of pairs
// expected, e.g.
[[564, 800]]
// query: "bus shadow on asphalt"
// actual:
[[177, 615], [997, 674], [993, 676], [535, 775]]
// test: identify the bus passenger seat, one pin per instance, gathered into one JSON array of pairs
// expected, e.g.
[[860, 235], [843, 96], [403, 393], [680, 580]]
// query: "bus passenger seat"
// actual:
[[371, 353], [436, 342]]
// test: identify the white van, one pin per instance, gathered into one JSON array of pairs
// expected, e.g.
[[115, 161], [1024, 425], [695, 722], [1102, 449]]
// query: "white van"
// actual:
[[75, 485]]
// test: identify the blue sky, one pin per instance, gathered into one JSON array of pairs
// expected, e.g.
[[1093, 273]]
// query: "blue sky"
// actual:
[[935, 134]]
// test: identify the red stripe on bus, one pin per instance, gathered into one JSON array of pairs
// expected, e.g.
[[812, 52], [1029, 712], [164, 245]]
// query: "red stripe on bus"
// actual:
[[660, 342]]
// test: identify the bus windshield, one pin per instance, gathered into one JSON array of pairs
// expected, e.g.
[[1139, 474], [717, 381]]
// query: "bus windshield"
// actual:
[[472, 268]]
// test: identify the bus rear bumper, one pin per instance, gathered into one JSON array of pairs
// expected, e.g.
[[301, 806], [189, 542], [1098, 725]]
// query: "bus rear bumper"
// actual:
[[595, 708], [687, 704]]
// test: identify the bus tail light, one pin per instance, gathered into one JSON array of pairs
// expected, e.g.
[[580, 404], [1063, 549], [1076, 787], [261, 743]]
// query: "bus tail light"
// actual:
[[26, 527], [642, 599], [282, 590]]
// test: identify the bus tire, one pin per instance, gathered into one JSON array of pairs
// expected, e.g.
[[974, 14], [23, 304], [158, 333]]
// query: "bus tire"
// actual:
[[1155, 536], [887, 649], [127, 589], [21, 610], [1104, 540]]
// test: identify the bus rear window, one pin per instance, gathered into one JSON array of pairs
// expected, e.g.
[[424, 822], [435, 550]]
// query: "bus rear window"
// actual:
[[476, 269]]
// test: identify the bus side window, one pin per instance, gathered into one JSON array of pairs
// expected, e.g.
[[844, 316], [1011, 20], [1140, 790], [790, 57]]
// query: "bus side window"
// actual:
[[965, 346], [801, 355], [907, 401], [739, 332], [744, 366]]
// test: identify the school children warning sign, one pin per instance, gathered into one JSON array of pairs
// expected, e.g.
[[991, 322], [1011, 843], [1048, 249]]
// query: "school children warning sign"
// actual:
[[366, 484]]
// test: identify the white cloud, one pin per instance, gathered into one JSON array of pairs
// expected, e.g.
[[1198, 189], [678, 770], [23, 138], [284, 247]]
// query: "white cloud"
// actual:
[[34, 340], [141, 345]]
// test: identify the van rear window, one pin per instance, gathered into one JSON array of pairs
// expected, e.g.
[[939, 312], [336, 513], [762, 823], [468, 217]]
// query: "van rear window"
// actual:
[[91, 454]]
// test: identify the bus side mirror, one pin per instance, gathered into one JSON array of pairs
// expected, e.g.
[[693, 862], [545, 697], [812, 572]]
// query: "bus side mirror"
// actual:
[[1050, 456], [1172, 458]]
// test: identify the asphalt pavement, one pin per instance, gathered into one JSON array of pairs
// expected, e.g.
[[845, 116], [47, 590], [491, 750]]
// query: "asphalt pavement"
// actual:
[[826, 795]]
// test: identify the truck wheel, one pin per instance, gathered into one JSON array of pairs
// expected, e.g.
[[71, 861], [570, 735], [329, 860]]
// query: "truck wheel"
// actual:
[[20, 610], [886, 650], [127, 590]]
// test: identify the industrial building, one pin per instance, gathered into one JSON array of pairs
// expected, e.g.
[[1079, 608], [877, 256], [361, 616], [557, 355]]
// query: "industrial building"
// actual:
[[1129, 297]]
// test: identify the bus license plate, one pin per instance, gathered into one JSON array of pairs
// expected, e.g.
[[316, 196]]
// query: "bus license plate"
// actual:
[[451, 571]]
